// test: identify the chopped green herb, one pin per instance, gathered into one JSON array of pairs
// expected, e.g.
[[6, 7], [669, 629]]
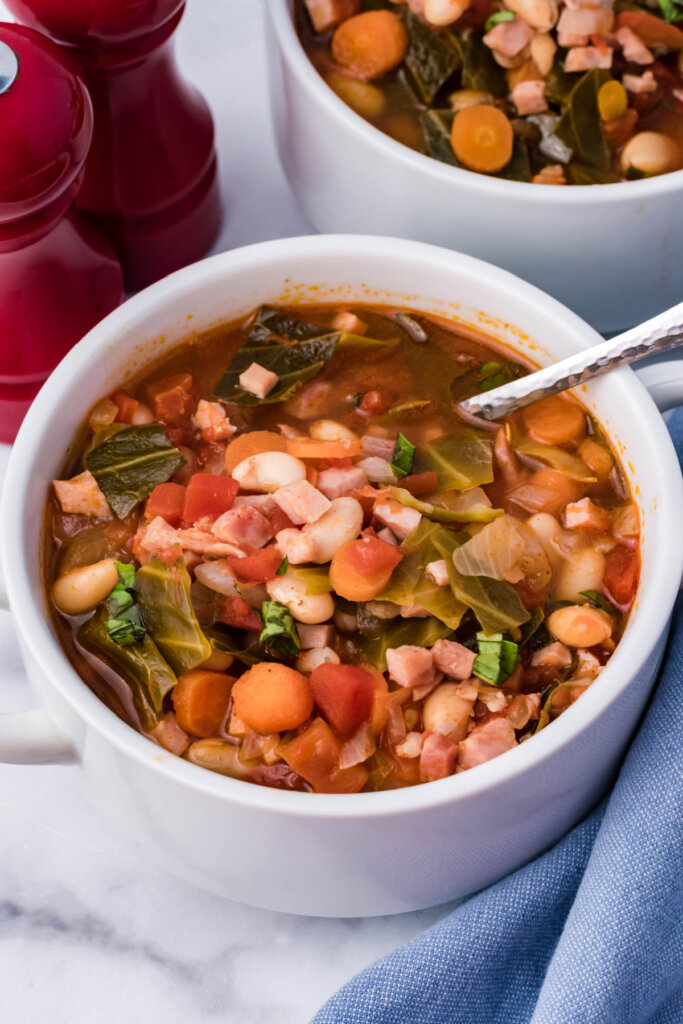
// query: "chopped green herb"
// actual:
[[496, 18], [598, 601], [282, 567], [129, 464], [356, 400], [672, 10], [494, 375], [403, 457], [124, 631], [124, 625], [496, 660], [279, 629], [126, 575], [436, 128]]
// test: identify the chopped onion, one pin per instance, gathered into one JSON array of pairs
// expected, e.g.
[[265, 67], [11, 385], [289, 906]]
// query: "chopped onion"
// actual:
[[377, 470], [359, 747], [396, 723], [217, 576]]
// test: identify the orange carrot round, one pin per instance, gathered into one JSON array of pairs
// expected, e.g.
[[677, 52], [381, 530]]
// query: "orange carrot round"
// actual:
[[200, 700], [252, 443], [361, 569], [271, 698], [555, 420], [309, 448], [370, 44], [482, 138]]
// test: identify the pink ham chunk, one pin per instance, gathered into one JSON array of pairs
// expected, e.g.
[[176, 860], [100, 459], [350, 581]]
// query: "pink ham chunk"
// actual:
[[585, 58], [315, 636], [639, 84], [378, 447], [554, 655], [326, 15], [400, 519], [153, 539], [453, 659], [586, 515], [410, 665], [485, 742], [529, 97], [576, 26], [302, 502], [170, 736], [335, 482], [81, 496], [257, 380], [437, 758], [634, 49], [243, 525], [508, 38]]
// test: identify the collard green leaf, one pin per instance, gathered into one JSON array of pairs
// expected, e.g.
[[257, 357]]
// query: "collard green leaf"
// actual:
[[430, 60], [579, 174], [598, 601], [580, 127], [419, 632], [519, 167], [405, 577], [141, 665], [559, 83], [279, 629], [163, 593], [124, 625], [532, 633], [403, 456], [478, 513], [479, 69], [557, 458], [129, 464], [460, 460]]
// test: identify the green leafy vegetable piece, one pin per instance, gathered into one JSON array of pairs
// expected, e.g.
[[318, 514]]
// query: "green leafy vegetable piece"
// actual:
[[460, 460], [580, 127], [436, 128], [430, 60], [558, 700], [315, 579], [579, 174], [495, 19], [477, 513], [356, 400], [124, 625], [129, 464], [559, 83], [229, 640], [479, 69], [126, 576], [403, 457], [439, 602], [420, 632], [404, 579], [497, 658], [140, 664], [672, 10], [163, 593], [530, 630], [279, 629], [557, 458], [126, 631], [282, 567], [494, 375], [518, 167], [598, 601]]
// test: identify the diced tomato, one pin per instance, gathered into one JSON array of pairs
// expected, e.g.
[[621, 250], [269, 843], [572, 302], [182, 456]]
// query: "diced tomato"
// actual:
[[208, 495], [622, 570], [126, 405], [236, 612], [420, 483], [373, 403], [172, 399], [344, 694], [314, 755], [371, 556], [167, 501], [339, 463], [530, 598], [258, 567], [279, 520]]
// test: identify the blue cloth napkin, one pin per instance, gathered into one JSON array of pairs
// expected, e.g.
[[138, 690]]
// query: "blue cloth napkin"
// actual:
[[589, 933]]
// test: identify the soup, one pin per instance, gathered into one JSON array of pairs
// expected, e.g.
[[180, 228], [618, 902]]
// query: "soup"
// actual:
[[281, 555], [543, 91]]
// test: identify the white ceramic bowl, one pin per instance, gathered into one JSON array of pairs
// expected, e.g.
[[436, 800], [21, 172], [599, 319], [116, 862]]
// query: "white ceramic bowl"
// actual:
[[371, 853], [612, 253]]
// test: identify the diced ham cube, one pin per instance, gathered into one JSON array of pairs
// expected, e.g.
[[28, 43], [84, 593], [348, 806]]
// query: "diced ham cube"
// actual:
[[309, 660], [207, 544], [257, 380], [387, 536], [554, 655], [212, 420], [529, 97], [244, 525], [633, 47], [81, 496], [585, 58], [335, 482], [585, 515], [587, 664], [296, 547], [155, 538], [315, 636], [263, 502], [301, 502], [399, 518], [411, 745], [438, 572], [485, 742], [437, 758], [575, 26], [508, 38], [410, 665], [170, 736], [453, 659], [326, 15], [639, 84], [494, 700], [378, 447]]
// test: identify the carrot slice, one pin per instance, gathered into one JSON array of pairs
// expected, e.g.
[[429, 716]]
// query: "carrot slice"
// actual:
[[271, 698], [200, 701], [482, 138], [308, 448], [253, 443], [555, 420], [370, 44]]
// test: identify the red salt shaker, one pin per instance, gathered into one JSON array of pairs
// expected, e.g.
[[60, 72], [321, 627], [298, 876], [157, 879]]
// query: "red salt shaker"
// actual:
[[58, 276], [150, 181]]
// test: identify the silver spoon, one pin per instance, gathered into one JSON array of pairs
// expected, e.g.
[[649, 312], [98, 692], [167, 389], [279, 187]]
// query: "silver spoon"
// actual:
[[661, 333]]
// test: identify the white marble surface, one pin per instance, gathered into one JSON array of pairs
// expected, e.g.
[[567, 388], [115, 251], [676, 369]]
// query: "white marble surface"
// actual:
[[88, 930]]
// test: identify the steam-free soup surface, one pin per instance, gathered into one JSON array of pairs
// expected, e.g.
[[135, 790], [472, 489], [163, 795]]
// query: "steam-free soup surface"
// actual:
[[281, 555]]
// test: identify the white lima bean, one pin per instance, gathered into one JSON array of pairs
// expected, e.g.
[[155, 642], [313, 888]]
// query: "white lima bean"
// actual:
[[330, 430], [580, 626], [650, 153], [217, 756], [268, 471], [308, 608], [583, 571], [341, 523], [446, 712], [444, 12], [80, 590]]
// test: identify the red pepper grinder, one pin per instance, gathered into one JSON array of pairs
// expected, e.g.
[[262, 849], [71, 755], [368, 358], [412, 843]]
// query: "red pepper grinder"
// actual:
[[58, 275], [150, 181]]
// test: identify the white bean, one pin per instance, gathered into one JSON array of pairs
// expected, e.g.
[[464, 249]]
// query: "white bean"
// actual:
[[444, 12], [543, 49], [80, 590], [341, 523], [217, 756], [649, 152], [308, 608], [330, 430], [308, 660], [446, 712], [583, 571], [268, 471], [143, 414], [550, 534], [580, 626]]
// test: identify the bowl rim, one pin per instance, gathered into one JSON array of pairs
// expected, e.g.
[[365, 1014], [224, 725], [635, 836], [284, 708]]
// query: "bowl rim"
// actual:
[[421, 164], [38, 636]]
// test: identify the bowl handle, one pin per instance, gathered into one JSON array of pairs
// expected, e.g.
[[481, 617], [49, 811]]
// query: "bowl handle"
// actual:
[[31, 737], [664, 381]]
